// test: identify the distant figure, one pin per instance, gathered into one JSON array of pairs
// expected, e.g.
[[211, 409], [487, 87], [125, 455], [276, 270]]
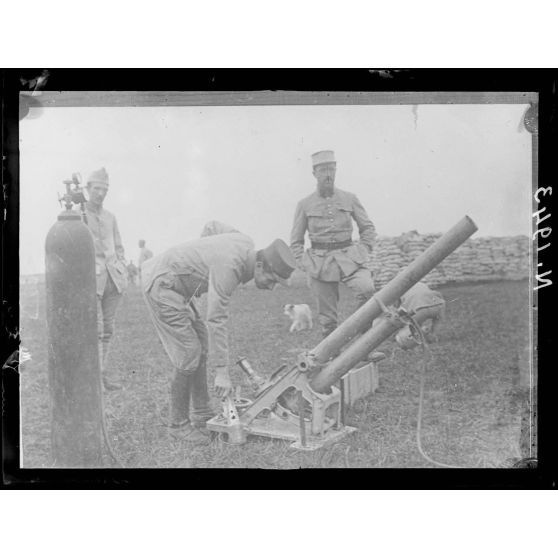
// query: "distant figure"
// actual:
[[132, 272], [145, 254], [110, 263]]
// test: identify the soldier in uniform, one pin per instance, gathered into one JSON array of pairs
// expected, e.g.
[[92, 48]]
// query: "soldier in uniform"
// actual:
[[145, 254], [327, 215], [216, 264], [132, 272], [428, 308], [110, 263]]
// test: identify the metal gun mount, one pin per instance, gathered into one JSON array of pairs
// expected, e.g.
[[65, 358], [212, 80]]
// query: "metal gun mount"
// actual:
[[303, 404], [286, 408]]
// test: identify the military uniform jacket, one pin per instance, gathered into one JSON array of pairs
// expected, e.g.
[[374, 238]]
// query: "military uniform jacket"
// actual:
[[109, 251], [330, 220], [215, 265]]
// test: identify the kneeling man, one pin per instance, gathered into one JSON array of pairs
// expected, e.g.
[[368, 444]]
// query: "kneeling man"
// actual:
[[428, 308], [215, 265]]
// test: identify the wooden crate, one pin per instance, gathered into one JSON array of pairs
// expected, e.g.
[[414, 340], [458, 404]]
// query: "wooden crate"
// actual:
[[360, 382]]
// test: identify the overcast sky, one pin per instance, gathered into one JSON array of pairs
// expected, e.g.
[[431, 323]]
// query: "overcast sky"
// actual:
[[172, 169]]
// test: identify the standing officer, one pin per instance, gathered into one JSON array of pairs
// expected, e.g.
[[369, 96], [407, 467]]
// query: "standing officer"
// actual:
[[333, 257], [216, 265], [110, 263]]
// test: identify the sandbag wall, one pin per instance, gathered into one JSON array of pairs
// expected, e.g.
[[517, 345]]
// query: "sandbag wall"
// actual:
[[478, 259]]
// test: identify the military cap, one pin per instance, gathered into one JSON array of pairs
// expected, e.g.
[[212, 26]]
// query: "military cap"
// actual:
[[100, 175], [280, 260], [321, 157]]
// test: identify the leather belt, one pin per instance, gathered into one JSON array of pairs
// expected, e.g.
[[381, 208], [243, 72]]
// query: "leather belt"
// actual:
[[331, 245]]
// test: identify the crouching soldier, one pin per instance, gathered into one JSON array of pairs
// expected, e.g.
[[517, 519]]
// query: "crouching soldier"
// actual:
[[428, 309], [215, 265]]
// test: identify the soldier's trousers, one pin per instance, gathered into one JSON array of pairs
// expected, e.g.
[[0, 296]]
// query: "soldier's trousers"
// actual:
[[106, 316], [185, 339], [327, 294]]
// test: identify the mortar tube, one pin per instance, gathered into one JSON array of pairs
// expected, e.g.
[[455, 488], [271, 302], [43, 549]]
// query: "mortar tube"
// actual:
[[362, 318], [353, 354]]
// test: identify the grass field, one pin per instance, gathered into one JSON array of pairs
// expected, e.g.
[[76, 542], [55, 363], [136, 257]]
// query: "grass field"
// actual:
[[472, 399]]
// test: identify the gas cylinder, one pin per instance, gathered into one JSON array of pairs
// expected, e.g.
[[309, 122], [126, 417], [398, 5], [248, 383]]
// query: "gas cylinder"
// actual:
[[73, 353]]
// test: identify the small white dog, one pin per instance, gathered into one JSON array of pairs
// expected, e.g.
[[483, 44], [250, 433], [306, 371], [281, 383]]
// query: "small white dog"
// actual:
[[300, 314]]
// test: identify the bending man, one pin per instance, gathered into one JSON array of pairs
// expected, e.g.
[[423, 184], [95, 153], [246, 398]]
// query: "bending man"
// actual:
[[215, 265]]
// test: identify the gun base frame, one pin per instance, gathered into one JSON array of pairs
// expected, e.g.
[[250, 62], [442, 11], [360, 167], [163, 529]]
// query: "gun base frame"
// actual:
[[273, 426], [322, 424]]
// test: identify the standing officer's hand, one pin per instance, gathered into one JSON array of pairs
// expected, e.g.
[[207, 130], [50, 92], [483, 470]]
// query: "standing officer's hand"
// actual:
[[223, 385]]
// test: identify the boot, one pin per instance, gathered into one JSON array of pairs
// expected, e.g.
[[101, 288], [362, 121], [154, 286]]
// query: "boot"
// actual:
[[201, 409], [179, 399]]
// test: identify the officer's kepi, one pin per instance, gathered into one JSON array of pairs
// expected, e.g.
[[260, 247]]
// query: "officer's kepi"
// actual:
[[280, 261], [321, 157]]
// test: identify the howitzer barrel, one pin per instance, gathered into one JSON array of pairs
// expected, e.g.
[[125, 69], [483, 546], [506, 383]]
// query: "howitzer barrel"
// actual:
[[362, 319], [356, 352]]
